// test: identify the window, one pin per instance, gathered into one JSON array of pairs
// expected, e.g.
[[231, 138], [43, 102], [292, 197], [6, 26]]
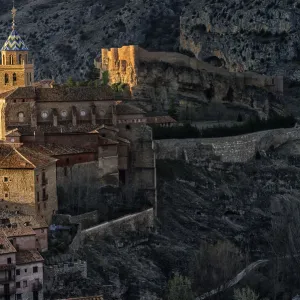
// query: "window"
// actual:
[[82, 113], [128, 127], [38, 208], [18, 272], [20, 59], [44, 194], [44, 114], [14, 77], [24, 283], [21, 117], [38, 196], [18, 296], [35, 269], [30, 77], [37, 178], [5, 179], [25, 270], [9, 260], [18, 284], [6, 79], [11, 59], [3, 60], [42, 230], [6, 195]]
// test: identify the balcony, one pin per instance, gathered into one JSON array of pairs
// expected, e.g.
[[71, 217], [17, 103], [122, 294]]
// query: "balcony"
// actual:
[[37, 286]]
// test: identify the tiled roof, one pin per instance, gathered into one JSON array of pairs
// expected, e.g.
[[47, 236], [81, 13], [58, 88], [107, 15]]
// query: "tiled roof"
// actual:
[[22, 158], [160, 120], [5, 94], [18, 231], [24, 220], [106, 141], [28, 256], [6, 246], [22, 93], [55, 149], [14, 43], [127, 109]]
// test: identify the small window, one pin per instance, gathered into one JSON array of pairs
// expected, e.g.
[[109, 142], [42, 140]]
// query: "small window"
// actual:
[[14, 77], [24, 283], [6, 195], [38, 197], [37, 178], [128, 127], [35, 269], [67, 161], [6, 79], [18, 284], [9, 260], [38, 208], [18, 272], [5, 179], [25, 270], [20, 59]]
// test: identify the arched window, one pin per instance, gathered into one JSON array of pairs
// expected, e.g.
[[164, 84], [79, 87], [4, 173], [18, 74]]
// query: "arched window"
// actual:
[[21, 117], [6, 79], [11, 59], [3, 59], [14, 77], [30, 78], [20, 59]]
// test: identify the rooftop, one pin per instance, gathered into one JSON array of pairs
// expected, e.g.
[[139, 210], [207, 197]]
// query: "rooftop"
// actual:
[[22, 158], [65, 94], [17, 231], [127, 109], [23, 220], [14, 43], [28, 256], [160, 120], [6, 246]]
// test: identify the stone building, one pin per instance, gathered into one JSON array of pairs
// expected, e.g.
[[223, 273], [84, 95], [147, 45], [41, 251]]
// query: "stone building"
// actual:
[[16, 69], [21, 272], [96, 138], [28, 181]]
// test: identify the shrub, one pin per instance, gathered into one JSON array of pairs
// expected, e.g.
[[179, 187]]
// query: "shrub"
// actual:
[[179, 288]]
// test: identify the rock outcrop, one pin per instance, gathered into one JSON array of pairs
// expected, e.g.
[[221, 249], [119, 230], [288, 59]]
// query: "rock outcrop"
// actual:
[[162, 80]]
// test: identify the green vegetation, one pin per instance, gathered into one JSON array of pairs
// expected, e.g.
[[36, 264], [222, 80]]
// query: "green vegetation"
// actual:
[[179, 288], [118, 87], [252, 125], [245, 294]]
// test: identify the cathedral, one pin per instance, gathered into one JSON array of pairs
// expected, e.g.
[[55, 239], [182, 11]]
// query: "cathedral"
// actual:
[[60, 147], [16, 69]]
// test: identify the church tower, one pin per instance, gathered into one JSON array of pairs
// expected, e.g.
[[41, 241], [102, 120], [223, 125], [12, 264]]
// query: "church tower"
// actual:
[[15, 69]]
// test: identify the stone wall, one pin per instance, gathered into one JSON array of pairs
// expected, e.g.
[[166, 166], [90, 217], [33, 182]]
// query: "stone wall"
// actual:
[[135, 222], [228, 149]]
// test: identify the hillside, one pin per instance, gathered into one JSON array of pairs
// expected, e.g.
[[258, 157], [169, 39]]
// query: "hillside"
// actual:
[[245, 204]]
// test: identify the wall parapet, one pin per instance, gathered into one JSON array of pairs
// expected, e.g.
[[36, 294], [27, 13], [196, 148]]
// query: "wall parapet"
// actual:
[[235, 149]]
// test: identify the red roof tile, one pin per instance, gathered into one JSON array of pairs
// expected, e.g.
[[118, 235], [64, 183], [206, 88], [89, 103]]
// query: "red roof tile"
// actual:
[[6, 246], [28, 256]]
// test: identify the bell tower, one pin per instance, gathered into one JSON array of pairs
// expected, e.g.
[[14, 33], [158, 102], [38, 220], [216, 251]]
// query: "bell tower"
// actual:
[[15, 70]]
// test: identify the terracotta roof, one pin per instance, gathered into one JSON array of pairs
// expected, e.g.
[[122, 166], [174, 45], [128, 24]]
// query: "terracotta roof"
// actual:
[[6, 246], [17, 231], [127, 109], [22, 93], [24, 220], [5, 94], [28, 256], [55, 149], [22, 158], [43, 82], [160, 120]]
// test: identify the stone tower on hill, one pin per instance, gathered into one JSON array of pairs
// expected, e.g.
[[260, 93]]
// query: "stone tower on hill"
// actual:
[[15, 69]]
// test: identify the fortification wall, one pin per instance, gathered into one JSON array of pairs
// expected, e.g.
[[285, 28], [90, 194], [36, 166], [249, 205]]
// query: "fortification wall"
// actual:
[[135, 222], [237, 149]]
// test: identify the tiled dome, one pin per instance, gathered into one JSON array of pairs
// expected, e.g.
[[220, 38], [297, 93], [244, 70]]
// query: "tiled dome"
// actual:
[[14, 43]]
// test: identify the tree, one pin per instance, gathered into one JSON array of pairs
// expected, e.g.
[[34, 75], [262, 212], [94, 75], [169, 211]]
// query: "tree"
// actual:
[[105, 78], [245, 294], [214, 265], [70, 82], [179, 288]]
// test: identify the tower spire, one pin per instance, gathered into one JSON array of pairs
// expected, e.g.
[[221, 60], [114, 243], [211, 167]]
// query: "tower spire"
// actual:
[[14, 12]]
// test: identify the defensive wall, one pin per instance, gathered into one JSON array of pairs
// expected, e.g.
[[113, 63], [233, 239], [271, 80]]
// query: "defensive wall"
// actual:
[[125, 62], [236, 149]]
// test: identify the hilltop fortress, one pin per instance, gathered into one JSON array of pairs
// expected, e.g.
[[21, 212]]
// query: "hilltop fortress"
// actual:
[[159, 79]]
